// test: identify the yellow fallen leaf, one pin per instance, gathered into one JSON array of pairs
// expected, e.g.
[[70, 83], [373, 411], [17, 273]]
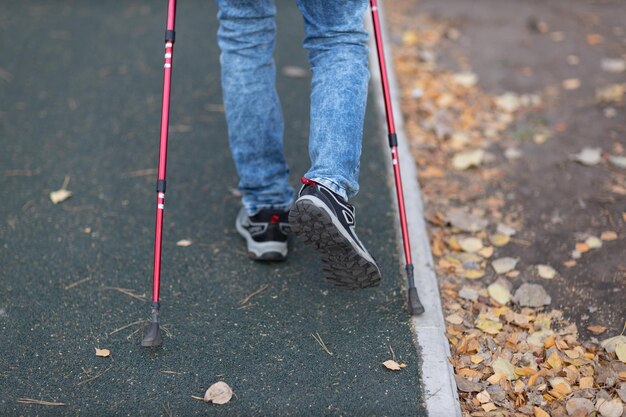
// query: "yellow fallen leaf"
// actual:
[[608, 235], [593, 242], [467, 159], [499, 239], [582, 247], [546, 271], [488, 326], [488, 407], [539, 412], [594, 39], [471, 244], [454, 319], [495, 378], [476, 359], [474, 273], [585, 382], [596, 329], [59, 196], [218, 393], [503, 366], [486, 252], [483, 397], [571, 84], [499, 293], [525, 371], [620, 350], [392, 365], [103, 352], [555, 361]]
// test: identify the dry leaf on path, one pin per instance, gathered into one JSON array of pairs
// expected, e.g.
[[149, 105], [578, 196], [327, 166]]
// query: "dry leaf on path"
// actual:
[[593, 242], [612, 408], [620, 351], [610, 343], [588, 156], [471, 244], [608, 235], [531, 295], [571, 84], [546, 271], [61, 194], [504, 265], [184, 243], [618, 161], [294, 71], [103, 352], [613, 65], [504, 367], [218, 393], [499, 293], [538, 412], [499, 239], [392, 365], [596, 329], [467, 159]]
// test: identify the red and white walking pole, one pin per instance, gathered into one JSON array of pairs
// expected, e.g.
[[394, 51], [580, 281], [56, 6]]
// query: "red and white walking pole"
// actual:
[[153, 336], [415, 306]]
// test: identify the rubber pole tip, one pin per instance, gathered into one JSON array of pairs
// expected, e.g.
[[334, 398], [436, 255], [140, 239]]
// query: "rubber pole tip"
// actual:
[[415, 306], [153, 337]]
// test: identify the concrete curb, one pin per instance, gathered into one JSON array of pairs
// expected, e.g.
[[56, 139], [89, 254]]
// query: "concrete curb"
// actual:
[[440, 392]]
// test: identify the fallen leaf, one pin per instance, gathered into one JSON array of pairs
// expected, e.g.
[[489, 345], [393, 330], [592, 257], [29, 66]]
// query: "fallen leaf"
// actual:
[[582, 247], [467, 159], [546, 271], [571, 84], [103, 352], [486, 252], [393, 365], [465, 79], [61, 194], [531, 295], [468, 293], [585, 382], [620, 351], [618, 161], [505, 230], [569, 263], [483, 397], [474, 273], [471, 244], [613, 65], [588, 156], [613, 408], [454, 319], [504, 367], [504, 265], [218, 393], [595, 39], [488, 407], [465, 385], [513, 154], [487, 325], [294, 71], [509, 102], [184, 242], [593, 242], [610, 343], [499, 293], [466, 222], [611, 93], [596, 329], [609, 235], [499, 239], [538, 412]]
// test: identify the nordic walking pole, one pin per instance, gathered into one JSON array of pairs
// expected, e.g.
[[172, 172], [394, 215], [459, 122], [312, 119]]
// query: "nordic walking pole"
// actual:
[[153, 337], [415, 306]]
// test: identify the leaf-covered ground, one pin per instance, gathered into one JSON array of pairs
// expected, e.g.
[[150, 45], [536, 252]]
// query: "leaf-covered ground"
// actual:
[[516, 121]]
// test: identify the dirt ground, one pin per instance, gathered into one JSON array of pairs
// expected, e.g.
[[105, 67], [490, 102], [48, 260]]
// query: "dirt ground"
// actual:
[[558, 201], [515, 116]]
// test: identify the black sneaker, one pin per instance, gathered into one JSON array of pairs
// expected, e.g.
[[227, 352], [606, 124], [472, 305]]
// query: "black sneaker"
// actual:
[[324, 220], [265, 233]]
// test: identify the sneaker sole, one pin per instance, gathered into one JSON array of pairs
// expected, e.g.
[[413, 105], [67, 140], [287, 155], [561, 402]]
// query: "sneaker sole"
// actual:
[[343, 265]]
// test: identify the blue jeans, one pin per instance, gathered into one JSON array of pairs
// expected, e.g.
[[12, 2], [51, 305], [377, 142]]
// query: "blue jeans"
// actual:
[[336, 43]]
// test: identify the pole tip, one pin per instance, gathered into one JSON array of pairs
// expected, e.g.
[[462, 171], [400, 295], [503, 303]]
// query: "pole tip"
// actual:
[[415, 306], [153, 337]]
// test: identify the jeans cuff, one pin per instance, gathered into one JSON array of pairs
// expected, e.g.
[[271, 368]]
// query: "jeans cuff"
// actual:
[[253, 209]]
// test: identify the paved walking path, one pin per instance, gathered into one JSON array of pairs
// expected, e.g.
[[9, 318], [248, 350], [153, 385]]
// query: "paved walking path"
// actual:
[[80, 86]]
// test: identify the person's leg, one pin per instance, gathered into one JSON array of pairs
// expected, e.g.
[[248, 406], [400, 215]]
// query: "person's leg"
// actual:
[[321, 217], [255, 124], [336, 42]]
